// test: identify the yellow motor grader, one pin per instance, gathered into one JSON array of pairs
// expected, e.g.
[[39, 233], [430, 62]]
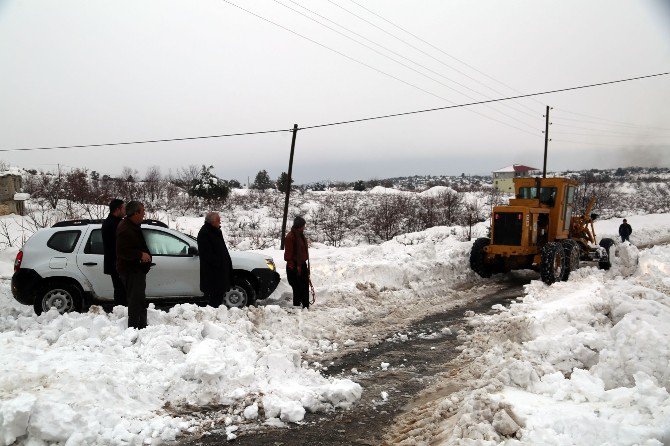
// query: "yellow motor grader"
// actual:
[[537, 230]]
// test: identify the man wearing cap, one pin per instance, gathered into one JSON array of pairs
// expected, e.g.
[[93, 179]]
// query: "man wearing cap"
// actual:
[[297, 258], [625, 231]]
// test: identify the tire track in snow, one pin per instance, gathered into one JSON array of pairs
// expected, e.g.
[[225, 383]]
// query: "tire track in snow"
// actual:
[[414, 357]]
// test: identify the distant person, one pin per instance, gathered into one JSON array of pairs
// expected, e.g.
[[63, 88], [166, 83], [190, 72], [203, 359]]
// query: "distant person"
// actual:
[[625, 231], [296, 255], [116, 212], [133, 262], [216, 266]]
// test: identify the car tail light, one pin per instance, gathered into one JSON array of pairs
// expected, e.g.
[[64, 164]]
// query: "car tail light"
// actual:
[[17, 261]]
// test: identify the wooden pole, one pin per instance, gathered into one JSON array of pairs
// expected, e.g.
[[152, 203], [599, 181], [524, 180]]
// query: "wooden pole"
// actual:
[[546, 145], [288, 186]]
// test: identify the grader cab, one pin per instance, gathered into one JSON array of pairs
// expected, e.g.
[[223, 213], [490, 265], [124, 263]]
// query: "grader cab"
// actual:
[[539, 230]]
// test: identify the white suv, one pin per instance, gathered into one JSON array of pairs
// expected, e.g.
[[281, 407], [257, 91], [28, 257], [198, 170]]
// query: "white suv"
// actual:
[[62, 267]]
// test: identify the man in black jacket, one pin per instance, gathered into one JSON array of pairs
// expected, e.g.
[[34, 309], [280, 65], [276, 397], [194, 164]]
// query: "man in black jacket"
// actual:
[[216, 267], [625, 231], [133, 262], [116, 212]]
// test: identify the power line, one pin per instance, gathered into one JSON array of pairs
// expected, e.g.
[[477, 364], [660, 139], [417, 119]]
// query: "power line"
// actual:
[[366, 64], [149, 141], [532, 115], [614, 132], [407, 66], [598, 143], [351, 121], [615, 124], [432, 46], [509, 98]]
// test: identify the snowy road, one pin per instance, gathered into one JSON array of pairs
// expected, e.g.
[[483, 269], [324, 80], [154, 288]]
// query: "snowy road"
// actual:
[[391, 372], [590, 350]]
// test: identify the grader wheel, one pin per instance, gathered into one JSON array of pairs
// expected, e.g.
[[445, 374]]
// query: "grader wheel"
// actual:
[[552, 264], [572, 253], [478, 258]]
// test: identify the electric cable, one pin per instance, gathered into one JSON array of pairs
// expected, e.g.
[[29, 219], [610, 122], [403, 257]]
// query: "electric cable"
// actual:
[[351, 121], [609, 123], [532, 115], [434, 47], [559, 90], [616, 132], [366, 64]]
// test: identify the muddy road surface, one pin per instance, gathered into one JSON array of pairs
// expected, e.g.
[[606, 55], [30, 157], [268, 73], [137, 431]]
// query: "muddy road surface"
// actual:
[[391, 373]]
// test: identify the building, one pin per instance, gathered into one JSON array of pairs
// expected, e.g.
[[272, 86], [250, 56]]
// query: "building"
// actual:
[[502, 178], [11, 197]]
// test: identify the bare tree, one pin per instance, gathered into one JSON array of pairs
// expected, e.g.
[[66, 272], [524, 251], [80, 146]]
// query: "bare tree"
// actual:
[[153, 185], [338, 214]]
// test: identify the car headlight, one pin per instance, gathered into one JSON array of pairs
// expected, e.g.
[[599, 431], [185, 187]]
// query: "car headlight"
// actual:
[[271, 264]]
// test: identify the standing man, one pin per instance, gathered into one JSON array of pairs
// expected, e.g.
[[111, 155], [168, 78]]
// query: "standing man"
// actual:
[[297, 256], [133, 262], [625, 231], [216, 267], [116, 212]]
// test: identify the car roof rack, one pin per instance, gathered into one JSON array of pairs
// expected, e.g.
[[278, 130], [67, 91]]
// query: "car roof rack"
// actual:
[[82, 222], [154, 223], [86, 221]]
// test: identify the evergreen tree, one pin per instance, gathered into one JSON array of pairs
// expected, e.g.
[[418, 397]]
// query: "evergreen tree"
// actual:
[[282, 182], [209, 186], [359, 186], [262, 181]]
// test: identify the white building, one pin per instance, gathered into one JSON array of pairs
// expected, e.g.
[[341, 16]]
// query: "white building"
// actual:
[[502, 178]]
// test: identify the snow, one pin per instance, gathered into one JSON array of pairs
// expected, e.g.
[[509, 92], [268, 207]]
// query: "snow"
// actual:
[[21, 196], [580, 362]]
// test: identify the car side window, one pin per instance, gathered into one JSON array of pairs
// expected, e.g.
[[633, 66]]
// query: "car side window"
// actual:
[[64, 241], [164, 244], [94, 244]]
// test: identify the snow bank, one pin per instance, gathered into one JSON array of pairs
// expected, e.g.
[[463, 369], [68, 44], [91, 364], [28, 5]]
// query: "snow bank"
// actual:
[[86, 378], [581, 362]]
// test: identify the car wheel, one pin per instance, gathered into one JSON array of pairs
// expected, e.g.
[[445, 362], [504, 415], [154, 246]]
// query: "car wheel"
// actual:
[[62, 296], [240, 295]]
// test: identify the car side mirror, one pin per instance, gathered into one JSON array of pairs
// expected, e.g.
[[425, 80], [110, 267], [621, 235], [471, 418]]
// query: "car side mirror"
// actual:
[[192, 251]]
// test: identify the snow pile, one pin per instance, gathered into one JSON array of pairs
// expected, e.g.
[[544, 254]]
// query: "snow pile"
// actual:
[[86, 378], [80, 377], [579, 363]]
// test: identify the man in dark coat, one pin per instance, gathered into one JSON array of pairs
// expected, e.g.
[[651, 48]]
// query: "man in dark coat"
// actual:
[[116, 212], [296, 255], [133, 262], [216, 267], [625, 231]]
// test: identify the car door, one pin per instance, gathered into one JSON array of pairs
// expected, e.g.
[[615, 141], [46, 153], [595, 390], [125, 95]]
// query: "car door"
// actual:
[[176, 272], [90, 261]]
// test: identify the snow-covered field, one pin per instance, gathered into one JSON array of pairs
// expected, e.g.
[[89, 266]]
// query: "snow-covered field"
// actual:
[[591, 351]]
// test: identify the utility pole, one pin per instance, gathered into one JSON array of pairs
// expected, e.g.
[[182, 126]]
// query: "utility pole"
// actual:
[[546, 142], [288, 186]]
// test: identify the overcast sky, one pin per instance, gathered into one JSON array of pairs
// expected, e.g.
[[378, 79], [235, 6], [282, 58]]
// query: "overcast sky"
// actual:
[[91, 71]]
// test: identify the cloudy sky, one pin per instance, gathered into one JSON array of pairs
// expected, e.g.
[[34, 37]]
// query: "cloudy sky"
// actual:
[[91, 71]]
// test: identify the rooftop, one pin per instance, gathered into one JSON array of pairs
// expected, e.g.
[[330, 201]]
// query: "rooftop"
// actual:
[[516, 168]]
